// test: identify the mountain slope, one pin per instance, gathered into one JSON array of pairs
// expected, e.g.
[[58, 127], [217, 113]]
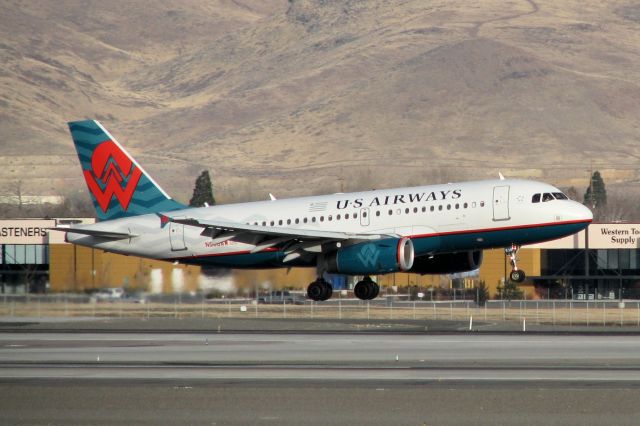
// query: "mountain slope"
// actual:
[[326, 95]]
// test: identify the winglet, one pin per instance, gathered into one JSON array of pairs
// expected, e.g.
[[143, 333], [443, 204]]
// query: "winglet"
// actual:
[[271, 197], [501, 177]]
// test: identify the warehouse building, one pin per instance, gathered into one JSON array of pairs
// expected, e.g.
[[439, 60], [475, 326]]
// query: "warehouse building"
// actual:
[[602, 262]]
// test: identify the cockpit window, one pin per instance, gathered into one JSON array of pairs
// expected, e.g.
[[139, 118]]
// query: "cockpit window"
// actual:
[[547, 197], [535, 198], [560, 196]]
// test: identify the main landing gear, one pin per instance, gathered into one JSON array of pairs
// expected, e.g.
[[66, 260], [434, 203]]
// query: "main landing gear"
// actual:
[[516, 275], [319, 290], [366, 289]]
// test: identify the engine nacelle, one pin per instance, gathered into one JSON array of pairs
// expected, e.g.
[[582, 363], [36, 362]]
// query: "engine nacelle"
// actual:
[[370, 258], [448, 263]]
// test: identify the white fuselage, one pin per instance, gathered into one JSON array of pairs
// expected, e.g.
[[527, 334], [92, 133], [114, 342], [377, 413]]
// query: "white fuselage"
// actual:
[[438, 218]]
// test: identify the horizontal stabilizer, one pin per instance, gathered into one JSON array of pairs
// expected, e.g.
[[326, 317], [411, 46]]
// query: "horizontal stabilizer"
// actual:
[[96, 233]]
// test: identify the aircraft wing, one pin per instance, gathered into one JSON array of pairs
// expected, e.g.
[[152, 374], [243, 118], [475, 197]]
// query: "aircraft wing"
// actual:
[[294, 242], [221, 227]]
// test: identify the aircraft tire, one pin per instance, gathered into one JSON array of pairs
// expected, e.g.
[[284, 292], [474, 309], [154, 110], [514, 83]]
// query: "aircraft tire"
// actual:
[[362, 290], [517, 276], [316, 291], [327, 291]]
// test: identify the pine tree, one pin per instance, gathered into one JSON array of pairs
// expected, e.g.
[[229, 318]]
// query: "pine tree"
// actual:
[[202, 192], [510, 291], [596, 195], [482, 293]]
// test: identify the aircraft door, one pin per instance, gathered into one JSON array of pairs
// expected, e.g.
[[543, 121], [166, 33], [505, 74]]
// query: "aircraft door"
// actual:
[[176, 236], [501, 203], [364, 216]]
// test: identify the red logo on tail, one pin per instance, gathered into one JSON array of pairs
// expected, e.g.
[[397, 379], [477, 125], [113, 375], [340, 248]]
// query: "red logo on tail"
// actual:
[[112, 168]]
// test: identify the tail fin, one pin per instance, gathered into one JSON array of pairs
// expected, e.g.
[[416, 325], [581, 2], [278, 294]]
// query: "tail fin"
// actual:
[[119, 187]]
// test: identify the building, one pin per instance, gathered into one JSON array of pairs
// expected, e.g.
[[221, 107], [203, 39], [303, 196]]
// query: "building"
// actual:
[[34, 258], [602, 262]]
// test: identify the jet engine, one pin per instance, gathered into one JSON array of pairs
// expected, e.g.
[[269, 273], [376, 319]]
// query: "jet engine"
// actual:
[[447, 263], [372, 257]]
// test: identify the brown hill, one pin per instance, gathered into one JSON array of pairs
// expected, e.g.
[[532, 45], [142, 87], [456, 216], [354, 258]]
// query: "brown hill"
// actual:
[[300, 96]]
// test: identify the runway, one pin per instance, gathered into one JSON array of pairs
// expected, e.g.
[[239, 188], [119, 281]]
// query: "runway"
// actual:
[[308, 378]]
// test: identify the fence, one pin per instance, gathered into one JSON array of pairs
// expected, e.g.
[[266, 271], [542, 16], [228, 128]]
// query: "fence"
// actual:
[[555, 312]]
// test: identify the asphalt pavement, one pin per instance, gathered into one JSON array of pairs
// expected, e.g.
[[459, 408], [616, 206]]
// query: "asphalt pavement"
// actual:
[[306, 372]]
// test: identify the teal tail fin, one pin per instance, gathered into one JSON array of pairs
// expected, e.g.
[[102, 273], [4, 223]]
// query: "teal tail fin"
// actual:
[[119, 187]]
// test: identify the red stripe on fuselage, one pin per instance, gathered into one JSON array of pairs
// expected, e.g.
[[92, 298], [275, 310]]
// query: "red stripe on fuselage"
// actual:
[[505, 228]]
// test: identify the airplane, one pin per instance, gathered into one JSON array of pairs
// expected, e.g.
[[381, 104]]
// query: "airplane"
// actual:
[[435, 229]]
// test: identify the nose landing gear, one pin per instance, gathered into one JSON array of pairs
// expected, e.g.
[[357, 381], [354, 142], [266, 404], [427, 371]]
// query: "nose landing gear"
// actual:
[[516, 275]]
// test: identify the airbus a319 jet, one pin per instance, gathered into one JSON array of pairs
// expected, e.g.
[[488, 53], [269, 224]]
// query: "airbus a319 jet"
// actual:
[[436, 229]]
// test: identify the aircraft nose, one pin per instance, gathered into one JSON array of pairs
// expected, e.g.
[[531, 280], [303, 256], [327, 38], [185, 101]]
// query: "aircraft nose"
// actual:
[[581, 212]]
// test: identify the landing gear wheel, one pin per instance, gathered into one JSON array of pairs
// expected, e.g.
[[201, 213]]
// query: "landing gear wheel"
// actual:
[[362, 290], [315, 291], [366, 289], [319, 290], [517, 276]]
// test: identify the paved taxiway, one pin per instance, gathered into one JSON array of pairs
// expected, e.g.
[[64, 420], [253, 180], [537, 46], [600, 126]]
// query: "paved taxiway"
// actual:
[[310, 378]]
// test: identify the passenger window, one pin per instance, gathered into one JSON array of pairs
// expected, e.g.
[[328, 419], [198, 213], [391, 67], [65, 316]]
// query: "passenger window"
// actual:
[[304, 220], [406, 211], [481, 203], [321, 218], [457, 206], [560, 196], [313, 219], [448, 206], [280, 222], [264, 223], [346, 216], [535, 198], [547, 197], [355, 215], [288, 221], [466, 205], [432, 208], [338, 217], [378, 213], [329, 218], [297, 221], [440, 207], [424, 209], [415, 210], [390, 212], [271, 223]]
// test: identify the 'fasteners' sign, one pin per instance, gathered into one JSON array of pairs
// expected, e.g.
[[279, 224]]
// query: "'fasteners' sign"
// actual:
[[25, 231]]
